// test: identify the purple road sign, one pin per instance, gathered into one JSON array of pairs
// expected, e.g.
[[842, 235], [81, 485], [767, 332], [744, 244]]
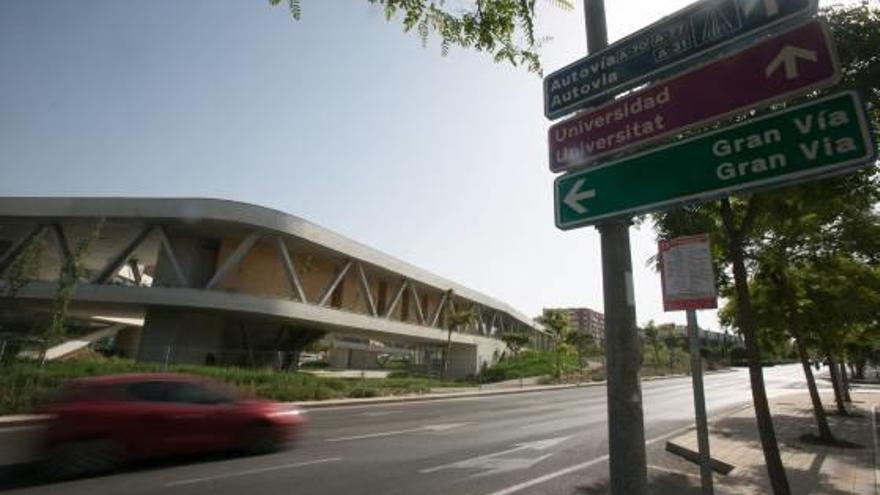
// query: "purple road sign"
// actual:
[[784, 65]]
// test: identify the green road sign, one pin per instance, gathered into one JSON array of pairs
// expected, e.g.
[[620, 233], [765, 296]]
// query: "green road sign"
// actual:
[[824, 137]]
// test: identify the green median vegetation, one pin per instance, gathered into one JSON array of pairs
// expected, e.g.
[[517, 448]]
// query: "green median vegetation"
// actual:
[[529, 364], [25, 384]]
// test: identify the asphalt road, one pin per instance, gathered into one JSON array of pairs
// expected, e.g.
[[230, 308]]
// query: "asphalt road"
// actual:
[[495, 445]]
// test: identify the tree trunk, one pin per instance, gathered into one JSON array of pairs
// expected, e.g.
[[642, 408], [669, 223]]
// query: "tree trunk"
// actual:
[[845, 382], [445, 370], [836, 385], [860, 368], [748, 327], [558, 360], [818, 410]]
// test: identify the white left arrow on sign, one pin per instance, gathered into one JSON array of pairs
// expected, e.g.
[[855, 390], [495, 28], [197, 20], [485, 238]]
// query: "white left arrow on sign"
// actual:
[[789, 57], [575, 196]]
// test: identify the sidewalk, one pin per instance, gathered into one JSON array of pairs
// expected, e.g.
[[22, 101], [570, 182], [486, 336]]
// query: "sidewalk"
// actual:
[[810, 468]]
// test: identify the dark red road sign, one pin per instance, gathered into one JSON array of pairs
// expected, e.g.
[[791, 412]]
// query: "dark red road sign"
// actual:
[[779, 67]]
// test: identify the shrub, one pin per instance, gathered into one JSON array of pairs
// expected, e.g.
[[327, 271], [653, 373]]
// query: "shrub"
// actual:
[[24, 384], [360, 393]]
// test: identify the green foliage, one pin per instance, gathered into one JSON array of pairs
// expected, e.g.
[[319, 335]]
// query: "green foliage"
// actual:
[[293, 6], [652, 337], [503, 28], [515, 341], [856, 30], [25, 266], [24, 384], [72, 270], [455, 320], [528, 364], [556, 322]]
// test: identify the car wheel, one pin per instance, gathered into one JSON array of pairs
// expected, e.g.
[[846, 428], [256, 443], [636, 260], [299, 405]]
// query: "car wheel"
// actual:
[[84, 457], [261, 439]]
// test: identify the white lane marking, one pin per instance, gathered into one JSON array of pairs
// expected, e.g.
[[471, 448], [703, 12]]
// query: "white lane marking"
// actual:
[[378, 413], [252, 471], [576, 467], [13, 429], [479, 461], [504, 465], [555, 422], [420, 429], [550, 476]]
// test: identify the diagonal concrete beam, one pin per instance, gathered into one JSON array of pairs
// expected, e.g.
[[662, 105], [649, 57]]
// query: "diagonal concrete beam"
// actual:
[[290, 270], [61, 243], [439, 309], [235, 259], [397, 297], [328, 291], [365, 290], [116, 263], [11, 254], [172, 257], [419, 312]]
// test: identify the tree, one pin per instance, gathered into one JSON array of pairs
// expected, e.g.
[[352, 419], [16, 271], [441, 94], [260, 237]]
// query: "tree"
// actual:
[[515, 342], [455, 320], [503, 28], [780, 307], [557, 323], [25, 268], [72, 270], [738, 225], [652, 337], [582, 343]]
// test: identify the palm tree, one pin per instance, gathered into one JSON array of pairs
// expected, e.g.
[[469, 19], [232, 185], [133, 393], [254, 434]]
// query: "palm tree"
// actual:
[[455, 320], [557, 323]]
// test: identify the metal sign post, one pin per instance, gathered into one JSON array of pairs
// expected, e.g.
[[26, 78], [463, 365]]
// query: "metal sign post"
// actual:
[[699, 403], [627, 460], [689, 283]]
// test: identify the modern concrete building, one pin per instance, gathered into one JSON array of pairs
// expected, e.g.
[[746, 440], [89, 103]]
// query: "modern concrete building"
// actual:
[[224, 282]]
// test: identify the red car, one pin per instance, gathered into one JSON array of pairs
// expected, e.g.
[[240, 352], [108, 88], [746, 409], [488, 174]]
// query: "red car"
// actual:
[[97, 423]]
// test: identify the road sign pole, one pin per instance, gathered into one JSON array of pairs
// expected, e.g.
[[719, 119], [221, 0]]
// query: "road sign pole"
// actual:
[[626, 430], [699, 403]]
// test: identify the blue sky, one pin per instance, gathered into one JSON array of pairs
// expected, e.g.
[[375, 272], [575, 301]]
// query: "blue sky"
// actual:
[[340, 118]]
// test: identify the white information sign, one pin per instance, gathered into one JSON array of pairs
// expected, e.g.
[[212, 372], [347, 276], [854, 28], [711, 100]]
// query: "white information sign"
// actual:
[[686, 274]]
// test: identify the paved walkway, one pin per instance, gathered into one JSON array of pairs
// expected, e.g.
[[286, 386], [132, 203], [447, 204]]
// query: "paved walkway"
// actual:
[[811, 468]]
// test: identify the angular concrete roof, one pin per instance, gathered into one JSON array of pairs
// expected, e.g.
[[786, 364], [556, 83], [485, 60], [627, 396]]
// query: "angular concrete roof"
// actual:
[[243, 214]]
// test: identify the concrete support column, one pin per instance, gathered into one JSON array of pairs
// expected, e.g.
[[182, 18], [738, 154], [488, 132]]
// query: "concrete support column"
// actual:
[[180, 336], [128, 340]]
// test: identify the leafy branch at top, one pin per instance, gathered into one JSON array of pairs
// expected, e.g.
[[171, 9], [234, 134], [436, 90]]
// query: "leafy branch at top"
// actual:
[[503, 28]]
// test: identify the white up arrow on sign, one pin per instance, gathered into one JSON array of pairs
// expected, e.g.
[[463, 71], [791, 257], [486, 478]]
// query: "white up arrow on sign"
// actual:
[[789, 56], [575, 196]]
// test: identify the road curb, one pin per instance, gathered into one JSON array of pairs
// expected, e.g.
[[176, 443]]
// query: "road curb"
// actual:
[[460, 395], [35, 419], [432, 397]]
